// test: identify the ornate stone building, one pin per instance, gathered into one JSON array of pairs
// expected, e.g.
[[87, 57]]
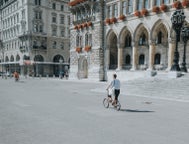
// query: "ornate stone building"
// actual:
[[87, 39], [35, 36], [138, 35]]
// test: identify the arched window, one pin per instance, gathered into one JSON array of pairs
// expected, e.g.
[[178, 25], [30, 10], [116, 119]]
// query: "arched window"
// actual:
[[39, 58], [80, 41], [35, 44], [159, 38], [77, 40], [86, 39], [57, 58], [157, 2], [139, 4], [166, 1], [128, 41], [124, 7], [62, 45], [128, 60], [6, 59], [142, 39], [157, 59], [17, 58], [12, 58], [146, 4], [130, 2], [54, 44], [141, 59]]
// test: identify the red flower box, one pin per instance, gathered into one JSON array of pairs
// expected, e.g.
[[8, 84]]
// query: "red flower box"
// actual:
[[144, 12], [87, 48], [78, 49], [75, 2], [177, 5], [89, 24], [185, 3], [84, 24], [107, 21], [79, 26], [75, 27], [163, 7], [113, 20], [137, 13], [122, 17], [155, 9]]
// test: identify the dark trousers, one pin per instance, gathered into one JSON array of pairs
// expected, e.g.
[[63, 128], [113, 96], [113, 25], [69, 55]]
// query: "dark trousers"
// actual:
[[117, 92]]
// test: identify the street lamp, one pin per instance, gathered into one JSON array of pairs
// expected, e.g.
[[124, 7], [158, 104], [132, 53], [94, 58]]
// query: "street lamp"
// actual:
[[103, 74], [185, 37], [177, 20]]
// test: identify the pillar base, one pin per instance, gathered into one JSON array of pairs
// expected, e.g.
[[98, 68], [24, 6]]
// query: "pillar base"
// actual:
[[151, 72], [174, 74], [133, 69]]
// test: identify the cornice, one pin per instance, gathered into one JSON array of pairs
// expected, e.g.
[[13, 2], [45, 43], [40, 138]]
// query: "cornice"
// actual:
[[4, 5]]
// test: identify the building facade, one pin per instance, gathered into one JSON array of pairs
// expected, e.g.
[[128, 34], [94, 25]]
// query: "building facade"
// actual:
[[138, 35], [35, 36]]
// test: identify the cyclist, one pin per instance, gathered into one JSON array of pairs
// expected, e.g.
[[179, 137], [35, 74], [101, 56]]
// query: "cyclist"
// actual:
[[16, 76], [115, 86]]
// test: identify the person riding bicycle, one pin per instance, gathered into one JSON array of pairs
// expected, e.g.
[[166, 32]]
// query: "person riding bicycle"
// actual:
[[115, 86], [16, 76]]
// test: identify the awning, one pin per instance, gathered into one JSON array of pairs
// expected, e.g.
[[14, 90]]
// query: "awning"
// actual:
[[28, 62]]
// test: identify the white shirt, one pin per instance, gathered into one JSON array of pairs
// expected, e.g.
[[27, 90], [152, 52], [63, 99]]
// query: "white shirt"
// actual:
[[116, 84]]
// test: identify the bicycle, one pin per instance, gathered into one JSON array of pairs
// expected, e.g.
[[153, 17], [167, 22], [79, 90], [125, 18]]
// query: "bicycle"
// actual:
[[107, 101]]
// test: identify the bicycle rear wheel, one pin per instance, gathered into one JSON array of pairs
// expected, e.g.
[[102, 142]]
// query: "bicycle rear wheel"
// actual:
[[106, 103]]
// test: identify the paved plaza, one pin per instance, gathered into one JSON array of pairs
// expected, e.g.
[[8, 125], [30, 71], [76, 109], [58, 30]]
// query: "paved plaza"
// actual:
[[55, 111]]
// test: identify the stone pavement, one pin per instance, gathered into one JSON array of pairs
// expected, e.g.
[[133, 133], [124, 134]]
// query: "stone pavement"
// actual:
[[56, 111], [158, 87]]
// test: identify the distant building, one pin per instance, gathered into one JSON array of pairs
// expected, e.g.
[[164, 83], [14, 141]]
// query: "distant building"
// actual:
[[35, 36], [138, 35]]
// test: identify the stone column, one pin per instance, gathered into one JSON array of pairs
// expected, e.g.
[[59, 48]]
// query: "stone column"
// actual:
[[120, 57], [119, 7], [134, 5], [151, 3], [171, 53], [108, 56], [151, 55], [135, 56]]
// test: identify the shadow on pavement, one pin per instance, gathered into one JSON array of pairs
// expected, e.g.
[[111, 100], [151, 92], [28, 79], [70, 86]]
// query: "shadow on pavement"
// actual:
[[137, 111], [20, 81]]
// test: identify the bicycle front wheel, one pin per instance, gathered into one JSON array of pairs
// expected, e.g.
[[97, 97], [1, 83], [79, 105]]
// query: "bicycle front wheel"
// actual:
[[106, 103]]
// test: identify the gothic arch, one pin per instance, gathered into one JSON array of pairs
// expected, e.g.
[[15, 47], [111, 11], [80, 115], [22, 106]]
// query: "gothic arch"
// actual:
[[39, 58], [109, 36], [56, 67], [57, 58], [141, 28], [112, 50], [12, 58], [82, 68], [17, 57], [124, 32], [6, 59], [159, 24]]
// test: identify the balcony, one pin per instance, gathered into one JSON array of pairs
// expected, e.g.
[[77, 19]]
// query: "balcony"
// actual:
[[39, 48], [85, 19]]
